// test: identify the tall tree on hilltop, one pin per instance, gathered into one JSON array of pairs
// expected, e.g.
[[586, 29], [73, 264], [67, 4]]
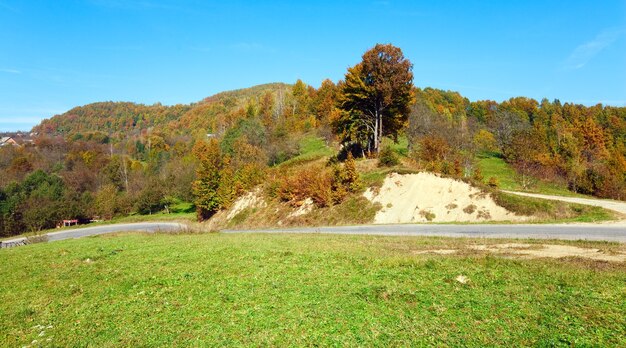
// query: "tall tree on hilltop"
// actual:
[[376, 96]]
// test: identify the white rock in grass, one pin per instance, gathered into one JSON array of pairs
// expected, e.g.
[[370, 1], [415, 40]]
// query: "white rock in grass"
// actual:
[[462, 279]]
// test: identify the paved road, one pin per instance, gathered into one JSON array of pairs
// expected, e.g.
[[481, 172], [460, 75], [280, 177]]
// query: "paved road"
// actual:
[[617, 206], [610, 231], [606, 232], [96, 230]]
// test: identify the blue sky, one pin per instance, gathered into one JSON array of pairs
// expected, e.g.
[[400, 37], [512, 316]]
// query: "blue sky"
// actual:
[[55, 55]]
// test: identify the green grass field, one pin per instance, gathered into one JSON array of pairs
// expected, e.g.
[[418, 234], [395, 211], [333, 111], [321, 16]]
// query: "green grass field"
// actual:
[[302, 290], [493, 166], [311, 148]]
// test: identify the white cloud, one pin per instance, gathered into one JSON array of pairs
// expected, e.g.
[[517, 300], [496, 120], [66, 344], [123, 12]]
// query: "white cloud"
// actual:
[[587, 51]]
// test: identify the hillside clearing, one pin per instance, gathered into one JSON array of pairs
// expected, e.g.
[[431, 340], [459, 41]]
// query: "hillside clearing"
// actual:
[[494, 166]]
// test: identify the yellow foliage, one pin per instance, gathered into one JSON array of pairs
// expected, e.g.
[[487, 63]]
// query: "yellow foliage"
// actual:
[[485, 140]]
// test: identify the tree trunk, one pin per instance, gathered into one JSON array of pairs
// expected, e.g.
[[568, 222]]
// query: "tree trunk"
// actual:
[[380, 131], [376, 126]]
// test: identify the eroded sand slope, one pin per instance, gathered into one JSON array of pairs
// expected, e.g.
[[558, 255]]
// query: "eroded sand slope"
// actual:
[[425, 197]]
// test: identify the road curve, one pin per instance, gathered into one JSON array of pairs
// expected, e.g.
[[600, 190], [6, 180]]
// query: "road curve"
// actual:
[[598, 232], [617, 206], [96, 230]]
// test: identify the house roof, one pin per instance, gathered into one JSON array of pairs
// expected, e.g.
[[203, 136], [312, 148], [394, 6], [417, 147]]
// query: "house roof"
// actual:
[[8, 140]]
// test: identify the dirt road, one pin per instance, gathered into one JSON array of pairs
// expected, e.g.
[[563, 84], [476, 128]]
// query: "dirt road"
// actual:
[[617, 206]]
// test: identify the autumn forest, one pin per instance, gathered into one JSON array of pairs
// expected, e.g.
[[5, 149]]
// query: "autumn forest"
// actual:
[[110, 159]]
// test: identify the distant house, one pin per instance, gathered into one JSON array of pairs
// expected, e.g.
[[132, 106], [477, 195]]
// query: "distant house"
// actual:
[[4, 141]]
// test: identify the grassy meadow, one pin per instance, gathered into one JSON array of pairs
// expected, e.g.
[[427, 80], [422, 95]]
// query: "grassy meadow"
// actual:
[[302, 290], [494, 166]]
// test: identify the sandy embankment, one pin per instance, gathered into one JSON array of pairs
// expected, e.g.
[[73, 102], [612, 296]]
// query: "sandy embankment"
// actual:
[[425, 197]]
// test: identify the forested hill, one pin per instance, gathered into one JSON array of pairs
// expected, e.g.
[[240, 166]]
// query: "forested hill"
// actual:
[[118, 158], [585, 146], [130, 118], [111, 117]]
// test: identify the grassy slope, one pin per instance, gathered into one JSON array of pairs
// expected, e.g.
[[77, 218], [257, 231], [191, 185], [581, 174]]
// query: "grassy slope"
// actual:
[[311, 148], [550, 211], [498, 168], [286, 290]]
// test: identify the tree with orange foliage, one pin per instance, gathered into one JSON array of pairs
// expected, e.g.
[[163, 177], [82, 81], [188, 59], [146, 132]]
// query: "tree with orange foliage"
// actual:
[[206, 186], [376, 96]]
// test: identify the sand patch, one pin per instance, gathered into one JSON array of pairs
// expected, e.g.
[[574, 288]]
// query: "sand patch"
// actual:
[[504, 246], [551, 251], [427, 197], [251, 199], [304, 208], [534, 251]]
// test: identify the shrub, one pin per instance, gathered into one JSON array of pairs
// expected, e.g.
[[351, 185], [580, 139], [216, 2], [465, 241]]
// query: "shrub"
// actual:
[[150, 199], [484, 214], [105, 202], [281, 149], [312, 182], [38, 238], [355, 149], [478, 175], [325, 186], [434, 148], [457, 169], [470, 209], [428, 215], [388, 157], [493, 182]]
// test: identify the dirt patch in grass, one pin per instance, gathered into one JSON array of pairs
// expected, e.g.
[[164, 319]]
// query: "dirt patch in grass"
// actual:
[[533, 251], [551, 251], [436, 251]]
